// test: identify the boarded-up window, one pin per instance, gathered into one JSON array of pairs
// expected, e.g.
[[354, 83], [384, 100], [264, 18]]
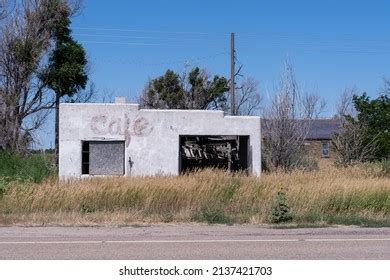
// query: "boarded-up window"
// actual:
[[103, 157]]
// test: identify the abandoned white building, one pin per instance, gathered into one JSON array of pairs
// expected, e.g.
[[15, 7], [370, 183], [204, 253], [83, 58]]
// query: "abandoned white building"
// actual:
[[122, 140]]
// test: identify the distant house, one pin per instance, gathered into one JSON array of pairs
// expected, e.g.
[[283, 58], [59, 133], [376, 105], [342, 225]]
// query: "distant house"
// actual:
[[318, 138]]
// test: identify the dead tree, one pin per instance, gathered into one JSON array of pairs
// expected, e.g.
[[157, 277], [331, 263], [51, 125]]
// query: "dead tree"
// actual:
[[313, 105], [344, 106], [286, 122], [248, 99], [350, 144]]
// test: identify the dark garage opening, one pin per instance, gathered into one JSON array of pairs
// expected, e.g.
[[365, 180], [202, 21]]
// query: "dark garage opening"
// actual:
[[224, 152], [103, 157]]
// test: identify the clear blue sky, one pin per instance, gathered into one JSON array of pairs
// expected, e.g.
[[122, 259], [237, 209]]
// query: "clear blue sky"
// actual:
[[332, 44]]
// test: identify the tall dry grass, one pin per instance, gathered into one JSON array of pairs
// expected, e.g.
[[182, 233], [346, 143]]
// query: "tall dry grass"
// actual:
[[357, 195]]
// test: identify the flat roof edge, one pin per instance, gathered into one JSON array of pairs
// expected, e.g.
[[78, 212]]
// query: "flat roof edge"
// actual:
[[135, 106]]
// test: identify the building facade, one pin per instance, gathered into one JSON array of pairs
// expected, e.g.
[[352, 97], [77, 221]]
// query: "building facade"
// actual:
[[119, 139]]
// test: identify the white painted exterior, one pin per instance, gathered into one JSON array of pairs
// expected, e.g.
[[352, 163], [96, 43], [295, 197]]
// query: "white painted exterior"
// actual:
[[151, 136]]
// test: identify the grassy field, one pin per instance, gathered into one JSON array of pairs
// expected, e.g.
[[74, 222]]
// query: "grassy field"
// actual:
[[354, 196]]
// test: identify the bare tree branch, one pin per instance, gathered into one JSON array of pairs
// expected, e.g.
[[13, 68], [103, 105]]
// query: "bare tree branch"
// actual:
[[238, 72], [350, 144], [344, 105], [313, 105], [286, 122], [386, 87], [84, 96], [248, 97], [3, 9]]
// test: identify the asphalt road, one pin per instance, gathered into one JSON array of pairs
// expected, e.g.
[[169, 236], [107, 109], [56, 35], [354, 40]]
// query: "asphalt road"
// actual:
[[193, 242]]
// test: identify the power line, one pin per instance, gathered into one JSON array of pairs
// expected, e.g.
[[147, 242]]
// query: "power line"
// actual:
[[146, 44], [142, 37], [313, 37], [125, 43], [323, 43], [345, 51], [306, 43], [150, 31], [184, 42], [226, 34], [297, 47], [171, 62]]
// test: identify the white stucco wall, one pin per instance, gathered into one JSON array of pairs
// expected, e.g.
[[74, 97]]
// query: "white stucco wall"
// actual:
[[151, 136]]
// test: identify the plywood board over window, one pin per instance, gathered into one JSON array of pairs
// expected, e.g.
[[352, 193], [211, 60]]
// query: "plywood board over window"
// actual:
[[104, 157]]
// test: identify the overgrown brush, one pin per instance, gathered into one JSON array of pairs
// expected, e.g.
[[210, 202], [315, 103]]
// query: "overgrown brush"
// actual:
[[32, 168], [385, 168], [355, 195]]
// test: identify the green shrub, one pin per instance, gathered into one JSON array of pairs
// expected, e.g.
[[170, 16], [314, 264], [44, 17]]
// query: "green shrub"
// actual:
[[212, 216], [352, 219], [280, 210], [85, 209], [229, 191], [30, 168]]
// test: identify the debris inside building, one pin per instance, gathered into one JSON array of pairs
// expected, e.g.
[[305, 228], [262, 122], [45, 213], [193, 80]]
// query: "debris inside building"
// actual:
[[225, 152]]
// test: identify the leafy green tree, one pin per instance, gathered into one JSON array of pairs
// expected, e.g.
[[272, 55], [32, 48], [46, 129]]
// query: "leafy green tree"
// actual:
[[375, 114], [164, 92], [66, 73], [195, 90]]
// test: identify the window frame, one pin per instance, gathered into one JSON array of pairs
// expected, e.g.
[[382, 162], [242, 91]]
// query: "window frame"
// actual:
[[325, 154], [85, 156]]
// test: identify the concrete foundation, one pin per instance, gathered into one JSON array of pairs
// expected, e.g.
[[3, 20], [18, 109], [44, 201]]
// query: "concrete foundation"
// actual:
[[148, 139]]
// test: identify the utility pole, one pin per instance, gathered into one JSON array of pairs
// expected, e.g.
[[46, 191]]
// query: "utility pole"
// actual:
[[232, 83]]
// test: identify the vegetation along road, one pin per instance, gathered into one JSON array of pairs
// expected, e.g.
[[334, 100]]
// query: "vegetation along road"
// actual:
[[193, 242]]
